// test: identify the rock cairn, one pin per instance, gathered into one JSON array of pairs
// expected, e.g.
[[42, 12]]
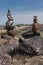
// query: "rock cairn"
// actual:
[[36, 26], [9, 23]]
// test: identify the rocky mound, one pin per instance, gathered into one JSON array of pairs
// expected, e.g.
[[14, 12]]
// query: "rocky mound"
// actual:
[[27, 52], [11, 48]]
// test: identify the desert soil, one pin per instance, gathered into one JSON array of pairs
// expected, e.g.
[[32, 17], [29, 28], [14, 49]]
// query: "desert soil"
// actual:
[[8, 55]]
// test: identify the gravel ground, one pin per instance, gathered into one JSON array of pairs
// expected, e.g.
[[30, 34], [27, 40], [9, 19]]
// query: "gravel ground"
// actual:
[[7, 46]]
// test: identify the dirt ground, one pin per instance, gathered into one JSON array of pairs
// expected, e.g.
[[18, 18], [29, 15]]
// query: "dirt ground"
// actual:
[[8, 55]]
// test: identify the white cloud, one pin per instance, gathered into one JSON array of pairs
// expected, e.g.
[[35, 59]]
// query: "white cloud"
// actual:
[[22, 17], [27, 17]]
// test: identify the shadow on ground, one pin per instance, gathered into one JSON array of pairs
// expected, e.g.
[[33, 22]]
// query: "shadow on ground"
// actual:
[[26, 36], [20, 52]]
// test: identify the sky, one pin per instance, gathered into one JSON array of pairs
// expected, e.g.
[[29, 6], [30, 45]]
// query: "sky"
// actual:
[[21, 10]]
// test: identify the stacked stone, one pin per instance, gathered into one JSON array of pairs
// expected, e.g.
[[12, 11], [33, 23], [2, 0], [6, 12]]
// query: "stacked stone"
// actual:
[[9, 23], [36, 26]]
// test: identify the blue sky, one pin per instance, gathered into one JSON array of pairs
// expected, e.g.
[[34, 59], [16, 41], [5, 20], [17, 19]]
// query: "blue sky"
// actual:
[[22, 10]]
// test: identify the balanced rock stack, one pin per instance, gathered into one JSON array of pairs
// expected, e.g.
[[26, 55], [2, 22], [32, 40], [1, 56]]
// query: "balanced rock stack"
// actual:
[[36, 26], [9, 24]]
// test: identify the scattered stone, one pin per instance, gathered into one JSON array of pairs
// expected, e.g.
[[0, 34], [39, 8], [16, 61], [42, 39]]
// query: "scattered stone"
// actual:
[[41, 57], [11, 44], [13, 33], [35, 44], [6, 36]]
